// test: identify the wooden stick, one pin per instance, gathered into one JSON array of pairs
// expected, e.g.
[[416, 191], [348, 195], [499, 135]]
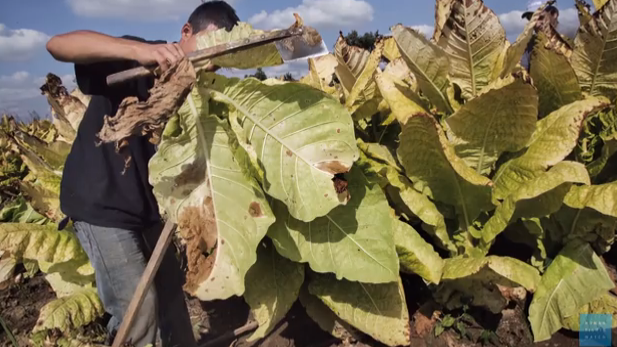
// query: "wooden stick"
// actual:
[[209, 53], [144, 283]]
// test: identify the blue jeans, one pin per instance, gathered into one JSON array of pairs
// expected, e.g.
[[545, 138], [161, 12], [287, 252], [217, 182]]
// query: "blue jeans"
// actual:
[[119, 258]]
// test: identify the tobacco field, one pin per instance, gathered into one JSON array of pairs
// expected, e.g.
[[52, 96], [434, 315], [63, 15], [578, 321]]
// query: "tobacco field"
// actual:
[[430, 191]]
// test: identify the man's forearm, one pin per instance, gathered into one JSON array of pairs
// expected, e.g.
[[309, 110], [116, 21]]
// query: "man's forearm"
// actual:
[[85, 46]]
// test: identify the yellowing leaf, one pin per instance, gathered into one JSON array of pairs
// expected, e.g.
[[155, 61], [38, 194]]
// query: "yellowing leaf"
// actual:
[[298, 148], [390, 50], [595, 52], [7, 266], [379, 310], [553, 75], [357, 235], [325, 318], [403, 101], [321, 70], [575, 278], [272, 287], [416, 255], [200, 179], [70, 312], [536, 195], [598, 4], [602, 198], [351, 63], [508, 118], [605, 304], [442, 12], [398, 70], [40, 242], [554, 139], [428, 63], [430, 160], [364, 95], [474, 40]]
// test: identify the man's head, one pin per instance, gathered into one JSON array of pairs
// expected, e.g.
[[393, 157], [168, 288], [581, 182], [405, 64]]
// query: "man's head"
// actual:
[[211, 15]]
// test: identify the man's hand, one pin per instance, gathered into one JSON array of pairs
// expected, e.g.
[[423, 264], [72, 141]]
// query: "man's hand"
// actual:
[[164, 55]]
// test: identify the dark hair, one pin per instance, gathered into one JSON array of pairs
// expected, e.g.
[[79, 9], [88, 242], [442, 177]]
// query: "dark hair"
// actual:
[[217, 12]]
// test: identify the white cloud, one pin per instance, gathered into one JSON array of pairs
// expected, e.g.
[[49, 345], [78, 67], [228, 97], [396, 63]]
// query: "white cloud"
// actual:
[[151, 10], [18, 77], [427, 30], [20, 44], [317, 13], [514, 24]]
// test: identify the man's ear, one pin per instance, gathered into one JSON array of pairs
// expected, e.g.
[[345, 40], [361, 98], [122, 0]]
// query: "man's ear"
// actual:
[[187, 31]]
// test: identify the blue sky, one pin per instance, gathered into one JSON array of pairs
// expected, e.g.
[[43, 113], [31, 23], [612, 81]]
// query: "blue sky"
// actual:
[[25, 26]]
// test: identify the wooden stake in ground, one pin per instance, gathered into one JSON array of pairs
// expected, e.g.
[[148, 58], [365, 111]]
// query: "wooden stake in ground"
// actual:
[[144, 283]]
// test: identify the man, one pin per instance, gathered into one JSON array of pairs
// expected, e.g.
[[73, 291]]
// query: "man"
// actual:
[[550, 15], [116, 215]]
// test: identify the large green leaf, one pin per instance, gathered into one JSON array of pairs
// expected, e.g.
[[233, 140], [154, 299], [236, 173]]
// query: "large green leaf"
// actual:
[[200, 179], [403, 101], [272, 287], [379, 310], [430, 160], [539, 197], [575, 278], [554, 139], [428, 63], [355, 236], [416, 255], [70, 312], [480, 280], [507, 116], [475, 41], [40, 242], [299, 149], [595, 52], [553, 74], [516, 51]]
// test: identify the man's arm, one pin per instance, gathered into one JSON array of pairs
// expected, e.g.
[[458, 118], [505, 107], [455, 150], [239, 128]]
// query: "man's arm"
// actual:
[[86, 47]]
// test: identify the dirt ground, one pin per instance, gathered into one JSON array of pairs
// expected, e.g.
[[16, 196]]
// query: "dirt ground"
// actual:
[[20, 305]]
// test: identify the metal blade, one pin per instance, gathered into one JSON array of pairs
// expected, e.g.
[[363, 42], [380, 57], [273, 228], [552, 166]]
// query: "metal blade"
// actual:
[[300, 50]]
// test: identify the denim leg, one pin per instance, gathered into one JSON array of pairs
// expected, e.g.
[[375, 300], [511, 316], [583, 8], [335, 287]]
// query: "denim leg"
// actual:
[[119, 262], [175, 322]]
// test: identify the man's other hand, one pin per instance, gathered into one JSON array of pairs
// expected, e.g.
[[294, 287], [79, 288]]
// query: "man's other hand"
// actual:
[[164, 55]]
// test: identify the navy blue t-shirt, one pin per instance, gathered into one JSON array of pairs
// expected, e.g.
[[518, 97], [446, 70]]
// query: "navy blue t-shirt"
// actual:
[[94, 189]]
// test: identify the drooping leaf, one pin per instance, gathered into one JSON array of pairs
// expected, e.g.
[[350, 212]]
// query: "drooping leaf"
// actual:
[[390, 49], [357, 235], [324, 317], [480, 280], [538, 197], [421, 206], [7, 266], [554, 139], [272, 286], [321, 70], [605, 304], [200, 179], [298, 148], [379, 310], [429, 159], [442, 12], [403, 101], [54, 153], [508, 116], [575, 278], [595, 52], [70, 312], [78, 270], [602, 198], [516, 51], [416, 255], [351, 63], [40, 242], [44, 195], [364, 97], [474, 40], [380, 153], [63, 288], [428, 63], [553, 75]]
